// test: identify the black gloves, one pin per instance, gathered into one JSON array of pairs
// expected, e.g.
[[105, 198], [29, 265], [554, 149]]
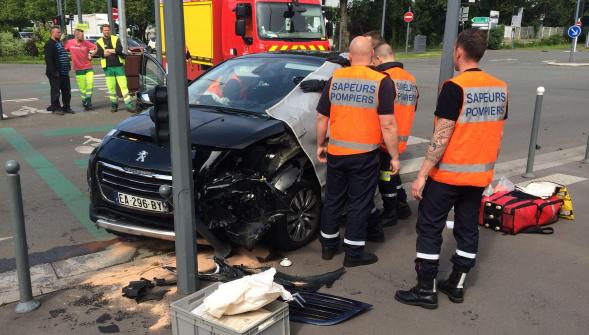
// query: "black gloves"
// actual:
[[312, 85], [338, 60]]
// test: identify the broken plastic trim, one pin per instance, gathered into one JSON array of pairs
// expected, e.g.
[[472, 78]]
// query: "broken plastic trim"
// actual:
[[324, 309]]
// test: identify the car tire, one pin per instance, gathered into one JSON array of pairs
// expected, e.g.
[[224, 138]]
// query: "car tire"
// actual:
[[301, 225]]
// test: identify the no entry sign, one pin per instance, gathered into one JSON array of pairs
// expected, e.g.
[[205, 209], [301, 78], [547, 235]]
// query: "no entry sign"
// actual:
[[115, 14], [408, 17]]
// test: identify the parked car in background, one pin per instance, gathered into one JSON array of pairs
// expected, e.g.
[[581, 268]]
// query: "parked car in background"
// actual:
[[252, 179], [25, 35]]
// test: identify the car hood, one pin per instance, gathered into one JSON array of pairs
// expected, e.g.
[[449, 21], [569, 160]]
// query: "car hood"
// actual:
[[214, 129]]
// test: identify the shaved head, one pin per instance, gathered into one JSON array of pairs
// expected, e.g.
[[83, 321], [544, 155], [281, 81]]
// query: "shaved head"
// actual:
[[361, 51], [383, 53]]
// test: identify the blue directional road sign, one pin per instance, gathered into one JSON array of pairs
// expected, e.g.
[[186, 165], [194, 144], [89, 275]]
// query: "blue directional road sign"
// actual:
[[574, 31]]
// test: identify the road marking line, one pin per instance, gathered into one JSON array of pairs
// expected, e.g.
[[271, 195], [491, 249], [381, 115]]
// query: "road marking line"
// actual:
[[503, 60], [416, 140], [77, 131], [20, 100], [76, 201], [5, 238]]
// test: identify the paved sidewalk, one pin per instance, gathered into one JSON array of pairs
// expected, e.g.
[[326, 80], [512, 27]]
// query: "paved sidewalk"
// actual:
[[523, 284]]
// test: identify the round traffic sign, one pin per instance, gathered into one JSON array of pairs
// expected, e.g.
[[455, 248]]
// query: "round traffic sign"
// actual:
[[408, 17], [115, 13], [574, 31]]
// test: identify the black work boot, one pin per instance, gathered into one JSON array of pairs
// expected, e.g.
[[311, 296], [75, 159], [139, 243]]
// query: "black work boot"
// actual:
[[375, 234], [453, 287], [403, 210], [374, 231], [363, 259], [423, 294], [327, 253], [388, 217]]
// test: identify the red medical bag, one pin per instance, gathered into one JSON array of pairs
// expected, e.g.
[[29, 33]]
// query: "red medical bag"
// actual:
[[517, 212]]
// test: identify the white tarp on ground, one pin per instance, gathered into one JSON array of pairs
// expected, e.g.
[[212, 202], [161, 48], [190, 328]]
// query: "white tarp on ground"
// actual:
[[298, 111]]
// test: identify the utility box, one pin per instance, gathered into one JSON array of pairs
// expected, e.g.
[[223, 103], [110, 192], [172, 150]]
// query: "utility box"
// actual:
[[419, 43], [186, 323]]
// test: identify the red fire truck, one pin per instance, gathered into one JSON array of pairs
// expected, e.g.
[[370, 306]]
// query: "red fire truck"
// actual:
[[216, 30]]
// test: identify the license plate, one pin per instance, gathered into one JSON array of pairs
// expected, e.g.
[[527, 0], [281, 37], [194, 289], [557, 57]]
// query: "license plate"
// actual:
[[141, 203]]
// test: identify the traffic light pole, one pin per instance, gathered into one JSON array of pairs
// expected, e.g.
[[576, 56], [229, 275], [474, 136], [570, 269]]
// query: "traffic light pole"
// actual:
[[450, 34], [180, 147], [574, 41], [122, 24], [79, 4], [111, 22], [158, 31], [61, 17]]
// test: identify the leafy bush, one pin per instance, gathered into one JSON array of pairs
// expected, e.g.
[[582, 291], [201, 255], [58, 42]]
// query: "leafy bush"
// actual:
[[31, 48], [40, 37], [552, 40], [10, 46], [496, 37]]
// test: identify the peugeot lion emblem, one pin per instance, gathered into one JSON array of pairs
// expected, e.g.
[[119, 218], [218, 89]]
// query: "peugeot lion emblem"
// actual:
[[141, 156]]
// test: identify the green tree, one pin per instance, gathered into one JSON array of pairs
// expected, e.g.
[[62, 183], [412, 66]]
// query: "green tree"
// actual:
[[11, 13]]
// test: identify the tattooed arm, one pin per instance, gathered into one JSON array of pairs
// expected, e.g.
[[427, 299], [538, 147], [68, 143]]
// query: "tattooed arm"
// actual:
[[442, 134]]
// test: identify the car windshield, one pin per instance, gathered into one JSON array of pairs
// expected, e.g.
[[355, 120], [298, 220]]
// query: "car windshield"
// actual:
[[252, 84], [289, 21]]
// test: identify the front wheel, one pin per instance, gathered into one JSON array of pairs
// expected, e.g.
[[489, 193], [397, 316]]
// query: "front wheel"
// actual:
[[301, 222]]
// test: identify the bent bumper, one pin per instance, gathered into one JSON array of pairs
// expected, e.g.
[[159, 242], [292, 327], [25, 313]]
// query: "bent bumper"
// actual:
[[131, 229]]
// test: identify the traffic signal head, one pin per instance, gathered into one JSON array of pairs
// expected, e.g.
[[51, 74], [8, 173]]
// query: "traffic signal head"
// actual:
[[159, 114]]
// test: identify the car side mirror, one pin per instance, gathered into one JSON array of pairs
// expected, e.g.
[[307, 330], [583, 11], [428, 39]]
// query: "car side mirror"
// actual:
[[240, 27], [243, 11], [329, 29]]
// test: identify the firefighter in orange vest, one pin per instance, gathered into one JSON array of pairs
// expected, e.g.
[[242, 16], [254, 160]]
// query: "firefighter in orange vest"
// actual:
[[357, 106], [468, 127], [394, 198]]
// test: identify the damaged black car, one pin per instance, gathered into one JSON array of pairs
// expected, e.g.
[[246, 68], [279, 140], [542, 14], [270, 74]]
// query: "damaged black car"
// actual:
[[252, 180]]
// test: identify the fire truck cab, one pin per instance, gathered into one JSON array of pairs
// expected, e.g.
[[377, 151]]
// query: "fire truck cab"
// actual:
[[216, 30]]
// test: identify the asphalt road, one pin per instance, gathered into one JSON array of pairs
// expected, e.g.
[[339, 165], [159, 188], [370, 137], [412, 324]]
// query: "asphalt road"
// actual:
[[51, 148]]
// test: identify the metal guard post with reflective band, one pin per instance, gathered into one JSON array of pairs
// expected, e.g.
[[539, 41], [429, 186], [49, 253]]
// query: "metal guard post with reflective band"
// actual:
[[474, 168]]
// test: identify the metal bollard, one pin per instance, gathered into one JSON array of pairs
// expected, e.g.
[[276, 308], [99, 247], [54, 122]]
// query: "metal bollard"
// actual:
[[27, 302], [534, 137], [1, 110], [586, 160]]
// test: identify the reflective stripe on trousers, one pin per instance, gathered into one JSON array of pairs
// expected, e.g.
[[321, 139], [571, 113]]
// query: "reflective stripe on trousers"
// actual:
[[353, 145]]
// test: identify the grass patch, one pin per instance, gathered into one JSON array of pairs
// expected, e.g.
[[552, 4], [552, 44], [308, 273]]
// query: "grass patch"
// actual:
[[412, 55], [32, 60], [22, 60]]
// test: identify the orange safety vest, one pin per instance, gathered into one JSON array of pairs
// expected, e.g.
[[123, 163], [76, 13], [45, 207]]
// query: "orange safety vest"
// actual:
[[469, 159], [354, 126], [405, 103], [215, 86]]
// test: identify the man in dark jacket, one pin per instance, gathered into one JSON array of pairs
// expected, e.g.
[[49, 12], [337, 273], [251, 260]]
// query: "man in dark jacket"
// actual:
[[57, 70]]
